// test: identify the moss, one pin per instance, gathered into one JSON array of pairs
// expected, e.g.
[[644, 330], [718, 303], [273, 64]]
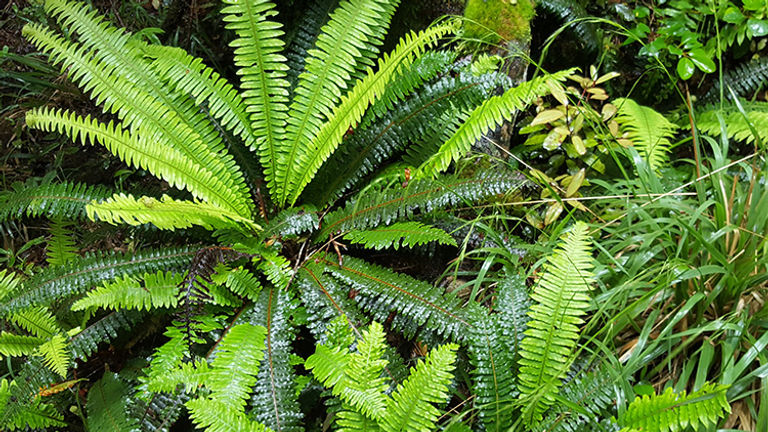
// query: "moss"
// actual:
[[499, 20]]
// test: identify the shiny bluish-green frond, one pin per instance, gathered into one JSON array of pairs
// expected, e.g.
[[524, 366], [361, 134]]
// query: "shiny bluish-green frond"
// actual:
[[52, 200]]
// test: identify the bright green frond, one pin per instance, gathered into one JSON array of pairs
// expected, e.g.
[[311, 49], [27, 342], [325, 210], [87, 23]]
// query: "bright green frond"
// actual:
[[142, 152], [406, 234], [648, 130], [166, 213], [108, 405], [560, 298], [411, 407], [489, 115], [215, 416], [150, 291], [353, 105], [349, 34], [737, 126], [262, 70], [8, 282], [190, 75], [37, 320], [235, 365], [670, 411], [55, 354], [12, 345]]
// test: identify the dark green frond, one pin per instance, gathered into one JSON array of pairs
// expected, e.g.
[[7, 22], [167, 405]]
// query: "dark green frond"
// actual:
[[377, 208], [107, 405], [305, 35], [52, 200], [273, 402], [292, 222], [101, 331], [743, 80], [75, 277], [571, 12], [61, 245], [400, 234]]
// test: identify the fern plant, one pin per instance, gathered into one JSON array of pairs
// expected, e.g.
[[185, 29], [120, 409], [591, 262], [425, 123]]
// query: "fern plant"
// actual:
[[270, 261], [649, 131]]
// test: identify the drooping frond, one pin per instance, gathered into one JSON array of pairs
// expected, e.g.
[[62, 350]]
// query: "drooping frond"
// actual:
[[411, 407], [61, 246], [149, 291], [405, 234], [560, 298], [353, 105], [150, 120], [273, 402], [107, 405], [672, 411], [56, 283], [489, 115], [166, 213], [493, 349], [52, 200], [377, 208], [191, 76], [737, 126], [415, 304], [350, 34], [55, 354], [648, 130], [388, 128], [262, 69]]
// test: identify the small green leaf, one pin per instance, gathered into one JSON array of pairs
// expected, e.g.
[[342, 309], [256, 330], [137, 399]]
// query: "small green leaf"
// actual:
[[757, 27], [547, 116], [685, 68], [704, 62]]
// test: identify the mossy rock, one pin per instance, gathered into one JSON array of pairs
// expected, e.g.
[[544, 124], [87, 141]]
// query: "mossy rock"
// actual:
[[494, 21]]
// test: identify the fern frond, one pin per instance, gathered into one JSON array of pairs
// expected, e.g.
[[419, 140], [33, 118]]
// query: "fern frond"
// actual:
[[410, 408], [744, 80], [12, 345], [307, 29], [416, 304], [191, 76], [37, 320], [166, 213], [75, 277], [672, 411], [273, 402], [262, 71], [560, 298], [15, 415], [648, 130], [152, 124], [292, 222], [61, 246], [55, 354], [103, 330], [235, 365], [353, 105], [9, 282], [489, 115], [215, 416], [493, 348], [149, 291], [377, 208], [736, 125], [243, 283], [107, 405], [406, 234], [350, 34], [52, 200], [571, 12]]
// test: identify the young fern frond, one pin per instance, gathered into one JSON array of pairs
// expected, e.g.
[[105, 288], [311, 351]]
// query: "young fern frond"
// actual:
[[672, 411], [350, 33], [55, 354], [150, 291], [376, 208], [736, 125], [262, 71], [235, 365], [401, 234], [37, 320], [560, 298], [649, 131], [353, 105], [9, 282], [12, 345], [166, 213], [489, 115], [141, 152], [410, 408], [61, 246], [52, 200]]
